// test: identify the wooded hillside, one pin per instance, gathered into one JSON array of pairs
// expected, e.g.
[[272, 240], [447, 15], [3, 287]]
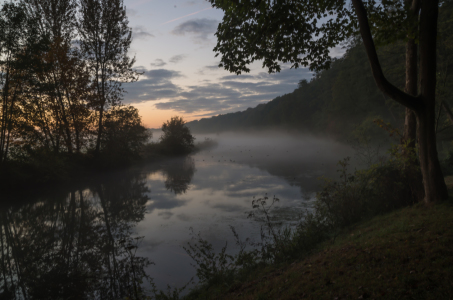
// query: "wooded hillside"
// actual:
[[343, 102]]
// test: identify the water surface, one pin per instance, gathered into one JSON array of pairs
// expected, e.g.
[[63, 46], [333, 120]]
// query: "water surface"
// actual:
[[96, 239]]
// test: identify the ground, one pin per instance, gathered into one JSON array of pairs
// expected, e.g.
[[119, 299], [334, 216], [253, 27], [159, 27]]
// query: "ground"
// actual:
[[406, 254]]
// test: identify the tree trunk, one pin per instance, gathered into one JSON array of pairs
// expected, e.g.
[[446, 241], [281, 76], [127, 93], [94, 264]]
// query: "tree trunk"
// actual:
[[433, 179], [424, 104], [410, 122], [98, 141]]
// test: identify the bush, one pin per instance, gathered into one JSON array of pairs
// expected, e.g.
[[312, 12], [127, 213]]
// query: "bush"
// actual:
[[123, 136], [176, 139]]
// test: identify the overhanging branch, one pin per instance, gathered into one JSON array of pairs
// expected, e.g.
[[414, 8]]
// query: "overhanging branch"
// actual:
[[383, 84]]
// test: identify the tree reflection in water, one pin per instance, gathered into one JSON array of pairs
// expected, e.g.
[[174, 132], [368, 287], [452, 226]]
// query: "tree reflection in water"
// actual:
[[178, 174], [76, 248]]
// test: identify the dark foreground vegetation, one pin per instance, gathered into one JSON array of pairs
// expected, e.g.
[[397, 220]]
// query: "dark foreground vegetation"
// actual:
[[405, 254], [368, 237]]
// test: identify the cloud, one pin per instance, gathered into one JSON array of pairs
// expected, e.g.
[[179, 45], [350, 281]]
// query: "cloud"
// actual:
[[154, 85], [158, 63], [213, 67], [165, 214], [200, 29], [229, 94], [177, 58], [139, 32], [236, 93]]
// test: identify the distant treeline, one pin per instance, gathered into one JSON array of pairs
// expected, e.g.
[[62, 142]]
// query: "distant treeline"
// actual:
[[343, 102]]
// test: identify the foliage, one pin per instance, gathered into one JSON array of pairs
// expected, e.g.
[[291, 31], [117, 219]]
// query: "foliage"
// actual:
[[339, 102], [123, 135], [280, 31], [210, 265], [176, 138], [60, 87], [402, 254], [105, 38]]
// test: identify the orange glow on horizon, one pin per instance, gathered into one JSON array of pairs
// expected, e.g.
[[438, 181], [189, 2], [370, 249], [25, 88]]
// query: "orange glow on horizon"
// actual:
[[154, 118]]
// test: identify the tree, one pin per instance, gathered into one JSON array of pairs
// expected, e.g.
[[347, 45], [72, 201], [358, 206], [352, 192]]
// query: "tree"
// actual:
[[19, 43], [301, 32], [105, 39], [64, 79], [123, 135], [176, 137]]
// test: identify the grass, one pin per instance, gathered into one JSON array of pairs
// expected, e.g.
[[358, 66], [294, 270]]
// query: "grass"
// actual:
[[405, 254]]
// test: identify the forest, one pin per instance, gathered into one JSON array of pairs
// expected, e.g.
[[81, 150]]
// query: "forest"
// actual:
[[344, 102], [62, 66]]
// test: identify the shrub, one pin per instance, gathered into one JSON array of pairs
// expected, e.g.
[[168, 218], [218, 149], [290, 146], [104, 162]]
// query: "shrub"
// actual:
[[176, 139], [123, 136]]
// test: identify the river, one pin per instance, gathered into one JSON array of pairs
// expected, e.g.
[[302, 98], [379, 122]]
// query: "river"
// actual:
[[97, 238]]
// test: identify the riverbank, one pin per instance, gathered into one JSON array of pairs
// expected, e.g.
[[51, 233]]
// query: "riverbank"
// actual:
[[49, 170], [405, 254]]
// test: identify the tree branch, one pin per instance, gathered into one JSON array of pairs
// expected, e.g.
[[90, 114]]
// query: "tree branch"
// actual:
[[383, 84]]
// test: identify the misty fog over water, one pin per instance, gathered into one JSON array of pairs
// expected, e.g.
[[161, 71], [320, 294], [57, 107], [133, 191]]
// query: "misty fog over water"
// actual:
[[220, 193], [205, 192]]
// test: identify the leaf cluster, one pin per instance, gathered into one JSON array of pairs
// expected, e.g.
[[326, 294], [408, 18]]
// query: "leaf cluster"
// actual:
[[298, 32]]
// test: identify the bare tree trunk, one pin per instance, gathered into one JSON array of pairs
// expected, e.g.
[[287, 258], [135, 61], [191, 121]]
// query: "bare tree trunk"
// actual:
[[98, 141], [410, 122], [4, 116], [67, 130], [433, 179], [424, 104]]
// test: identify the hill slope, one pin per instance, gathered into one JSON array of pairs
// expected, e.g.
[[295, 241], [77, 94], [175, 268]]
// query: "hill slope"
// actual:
[[343, 101], [406, 254]]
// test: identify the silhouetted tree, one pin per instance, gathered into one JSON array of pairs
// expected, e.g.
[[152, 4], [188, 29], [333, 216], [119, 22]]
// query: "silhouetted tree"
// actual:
[[176, 138], [105, 40], [19, 43], [123, 135]]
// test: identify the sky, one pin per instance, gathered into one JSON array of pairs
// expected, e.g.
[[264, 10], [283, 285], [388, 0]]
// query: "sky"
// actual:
[[173, 43]]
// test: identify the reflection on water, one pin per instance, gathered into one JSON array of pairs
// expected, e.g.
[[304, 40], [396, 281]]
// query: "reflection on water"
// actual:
[[75, 246], [84, 243], [178, 174]]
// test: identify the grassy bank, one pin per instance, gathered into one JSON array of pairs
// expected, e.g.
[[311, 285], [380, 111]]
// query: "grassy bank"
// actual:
[[404, 254]]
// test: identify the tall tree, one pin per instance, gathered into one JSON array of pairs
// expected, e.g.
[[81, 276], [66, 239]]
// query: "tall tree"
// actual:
[[302, 32], [105, 39], [18, 42]]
